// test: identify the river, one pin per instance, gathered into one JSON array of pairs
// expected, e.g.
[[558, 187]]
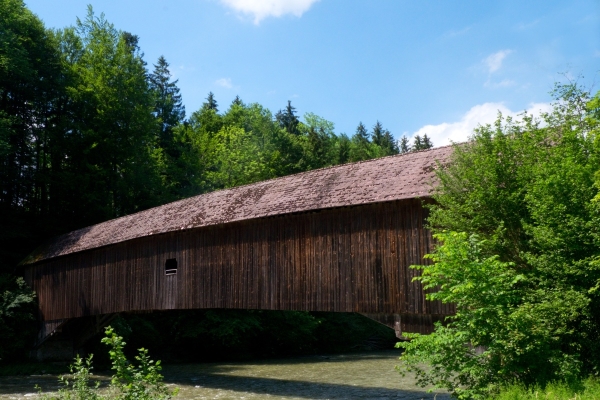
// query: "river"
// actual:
[[346, 376]]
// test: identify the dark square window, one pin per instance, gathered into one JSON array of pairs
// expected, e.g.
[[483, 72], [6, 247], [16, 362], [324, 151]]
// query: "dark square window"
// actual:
[[171, 266]]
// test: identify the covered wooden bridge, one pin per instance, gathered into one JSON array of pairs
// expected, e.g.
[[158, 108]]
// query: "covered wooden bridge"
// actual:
[[334, 239]]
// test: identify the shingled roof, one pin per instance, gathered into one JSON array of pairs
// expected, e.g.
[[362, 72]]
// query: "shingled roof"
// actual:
[[390, 178]]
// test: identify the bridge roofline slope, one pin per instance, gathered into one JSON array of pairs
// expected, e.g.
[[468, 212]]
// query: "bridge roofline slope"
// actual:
[[398, 177]]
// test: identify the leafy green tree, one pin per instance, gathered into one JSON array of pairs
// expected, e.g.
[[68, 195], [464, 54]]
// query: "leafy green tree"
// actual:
[[237, 158], [207, 118], [114, 167], [319, 143], [517, 220], [281, 151], [32, 113]]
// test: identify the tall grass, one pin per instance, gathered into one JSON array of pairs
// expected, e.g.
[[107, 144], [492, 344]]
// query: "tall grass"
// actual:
[[588, 389]]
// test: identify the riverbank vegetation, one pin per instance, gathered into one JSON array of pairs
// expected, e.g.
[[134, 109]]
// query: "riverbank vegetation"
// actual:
[[140, 379], [90, 131], [517, 219], [587, 389]]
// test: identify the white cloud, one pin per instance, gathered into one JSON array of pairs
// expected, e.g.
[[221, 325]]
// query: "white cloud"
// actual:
[[225, 82], [494, 61], [261, 9], [459, 131]]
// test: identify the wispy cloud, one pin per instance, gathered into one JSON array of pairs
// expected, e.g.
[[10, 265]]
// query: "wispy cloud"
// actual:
[[494, 61], [224, 82], [261, 9], [455, 33], [177, 72], [502, 84], [459, 131]]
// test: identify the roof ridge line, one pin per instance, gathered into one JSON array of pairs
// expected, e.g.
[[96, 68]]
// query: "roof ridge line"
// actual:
[[260, 182]]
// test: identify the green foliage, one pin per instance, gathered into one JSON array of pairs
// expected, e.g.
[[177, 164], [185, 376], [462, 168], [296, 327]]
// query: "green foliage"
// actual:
[[141, 381], [211, 103], [287, 119], [421, 143], [118, 128], [518, 253], [168, 107], [588, 389], [30, 84], [79, 386], [87, 133], [17, 325], [404, 145], [361, 148]]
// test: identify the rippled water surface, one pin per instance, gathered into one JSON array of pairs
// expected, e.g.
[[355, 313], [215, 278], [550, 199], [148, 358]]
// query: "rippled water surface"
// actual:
[[350, 376]]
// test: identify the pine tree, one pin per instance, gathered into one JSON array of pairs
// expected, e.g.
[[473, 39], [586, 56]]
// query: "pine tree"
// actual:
[[211, 103], [378, 133], [132, 41], [388, 144], [417, 143], [361, 145], [237, 102], [427, 143], [361, 133], [168, 107], [404, 145], [287, 119]]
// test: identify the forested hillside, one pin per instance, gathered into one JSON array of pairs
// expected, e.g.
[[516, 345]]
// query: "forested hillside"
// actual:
[[90, 131]]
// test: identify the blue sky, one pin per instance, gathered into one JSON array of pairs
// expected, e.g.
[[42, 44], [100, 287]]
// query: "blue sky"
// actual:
[[435, 67]]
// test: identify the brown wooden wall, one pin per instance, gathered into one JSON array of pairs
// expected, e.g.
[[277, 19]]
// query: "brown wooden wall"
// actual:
[[351, 259]]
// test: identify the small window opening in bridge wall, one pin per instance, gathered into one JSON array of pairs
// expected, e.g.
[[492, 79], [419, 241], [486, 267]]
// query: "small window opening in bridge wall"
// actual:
[[171, 266]]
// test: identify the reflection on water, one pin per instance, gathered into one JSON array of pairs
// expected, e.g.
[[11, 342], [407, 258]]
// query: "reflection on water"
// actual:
[[350, 376]]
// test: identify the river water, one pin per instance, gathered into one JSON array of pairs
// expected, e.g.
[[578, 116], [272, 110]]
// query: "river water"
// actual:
[[346, 376]]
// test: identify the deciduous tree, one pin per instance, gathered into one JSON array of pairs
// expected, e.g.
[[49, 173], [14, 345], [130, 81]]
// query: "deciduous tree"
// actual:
[[517, 219]]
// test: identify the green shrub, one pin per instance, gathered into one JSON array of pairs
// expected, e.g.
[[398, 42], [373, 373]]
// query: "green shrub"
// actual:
[[141, 381], [517, 222], [588, 389]]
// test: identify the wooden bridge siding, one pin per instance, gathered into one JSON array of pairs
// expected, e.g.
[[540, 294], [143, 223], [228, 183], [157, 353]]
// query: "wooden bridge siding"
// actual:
[[350, 259]]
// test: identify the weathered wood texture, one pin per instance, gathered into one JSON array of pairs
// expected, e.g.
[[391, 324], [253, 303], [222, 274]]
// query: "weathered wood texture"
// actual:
[[351, 259]]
